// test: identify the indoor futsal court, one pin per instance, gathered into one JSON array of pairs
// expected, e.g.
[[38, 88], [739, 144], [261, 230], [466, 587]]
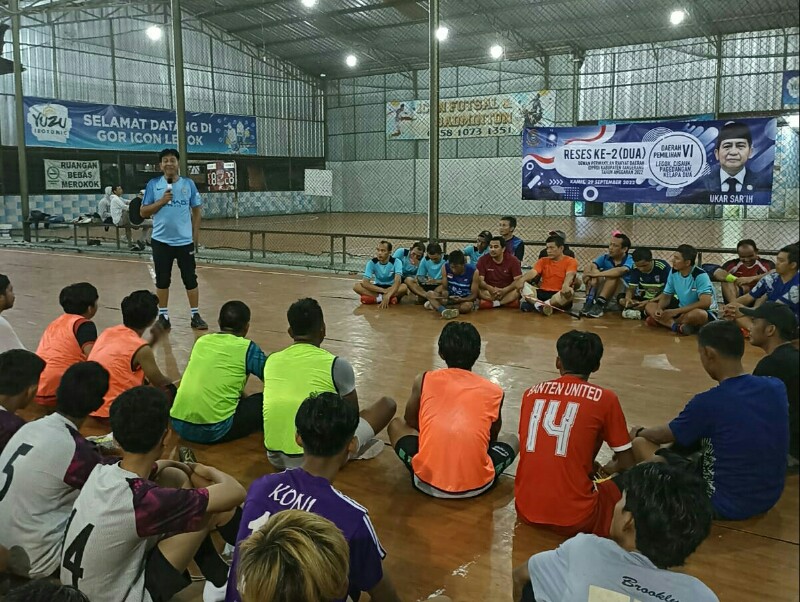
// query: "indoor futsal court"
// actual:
[[464, 548], [185, 184]]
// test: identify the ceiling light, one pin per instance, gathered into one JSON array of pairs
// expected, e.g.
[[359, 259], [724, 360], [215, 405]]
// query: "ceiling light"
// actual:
[[496, 51], [309, 3], [676, 17], [442, 33], [154, 32], [322, 75], [351, 60]]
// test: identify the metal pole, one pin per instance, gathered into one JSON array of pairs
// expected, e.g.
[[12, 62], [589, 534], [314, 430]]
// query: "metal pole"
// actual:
[[20, 120], [180, 98], [113, 49], [433, 191], [718, 77]]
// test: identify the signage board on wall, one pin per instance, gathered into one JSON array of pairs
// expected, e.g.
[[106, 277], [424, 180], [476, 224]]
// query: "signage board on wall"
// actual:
[[221, 176], [66, 124], [67, 174], [471, 117], [702, 162]]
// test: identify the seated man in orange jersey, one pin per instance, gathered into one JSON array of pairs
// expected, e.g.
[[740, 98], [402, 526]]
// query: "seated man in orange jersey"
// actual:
[[126, 355], [68, 339], [450, 439], [562, 424]]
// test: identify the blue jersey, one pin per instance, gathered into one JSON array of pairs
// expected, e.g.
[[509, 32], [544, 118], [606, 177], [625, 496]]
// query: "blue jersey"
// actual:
[[689, 288], [604, 262], [409, 269], [382, 274], [430, 270], [460, 286], [172, 224], [473, 254], [773, 286], [652, 283], [742, 427]]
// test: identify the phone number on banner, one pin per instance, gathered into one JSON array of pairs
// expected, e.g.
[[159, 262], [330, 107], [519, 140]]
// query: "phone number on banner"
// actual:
[[478, 131]]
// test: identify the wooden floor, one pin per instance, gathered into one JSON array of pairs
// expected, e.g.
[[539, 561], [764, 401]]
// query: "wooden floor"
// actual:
[[464, 548]]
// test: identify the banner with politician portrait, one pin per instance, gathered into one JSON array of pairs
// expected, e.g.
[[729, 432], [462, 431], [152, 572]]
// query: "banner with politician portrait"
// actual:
[[471, 117], [705, 162]]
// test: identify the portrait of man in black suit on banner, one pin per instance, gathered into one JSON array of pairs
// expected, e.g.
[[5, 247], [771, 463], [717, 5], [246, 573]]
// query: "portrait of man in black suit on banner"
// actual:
[[733, 149]]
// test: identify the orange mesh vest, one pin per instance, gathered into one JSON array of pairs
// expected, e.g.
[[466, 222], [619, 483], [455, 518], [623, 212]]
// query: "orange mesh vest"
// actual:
[[114, 350], [457, 409], [60, 349]]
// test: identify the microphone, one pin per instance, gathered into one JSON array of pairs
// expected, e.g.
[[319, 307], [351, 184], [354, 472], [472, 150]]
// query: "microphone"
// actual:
[[169, 184]]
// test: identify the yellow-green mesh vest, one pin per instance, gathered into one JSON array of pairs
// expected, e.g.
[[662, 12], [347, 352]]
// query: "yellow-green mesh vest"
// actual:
[[290, 376], [213, 381]]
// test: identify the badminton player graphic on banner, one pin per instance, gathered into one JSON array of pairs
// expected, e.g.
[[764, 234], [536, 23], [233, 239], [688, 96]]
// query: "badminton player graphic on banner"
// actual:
[[704, 162]]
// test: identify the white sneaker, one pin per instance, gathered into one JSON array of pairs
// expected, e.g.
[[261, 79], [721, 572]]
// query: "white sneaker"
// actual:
[[632, 314], [427, 305], [544, 308], [450, 313], [212, 593], [370, 449], [379, 298]]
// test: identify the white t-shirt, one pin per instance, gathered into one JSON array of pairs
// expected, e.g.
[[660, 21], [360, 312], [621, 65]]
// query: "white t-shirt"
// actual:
[[118, 206], [8, 338]]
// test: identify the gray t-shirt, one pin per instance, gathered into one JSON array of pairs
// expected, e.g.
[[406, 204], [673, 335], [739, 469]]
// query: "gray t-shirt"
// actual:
[[588, 568], [344, 378]]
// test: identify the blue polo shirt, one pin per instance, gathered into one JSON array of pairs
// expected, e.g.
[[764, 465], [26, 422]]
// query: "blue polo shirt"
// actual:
[[652, 283], [773, 286], [382, 274], [473, 254], [460, 286], [604, 262], [409, 269], [689, 288], [430, 270], [742, 426], [172, 225]]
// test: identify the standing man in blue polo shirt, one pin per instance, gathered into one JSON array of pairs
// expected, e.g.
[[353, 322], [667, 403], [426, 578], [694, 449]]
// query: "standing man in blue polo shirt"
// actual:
[[173, 203]]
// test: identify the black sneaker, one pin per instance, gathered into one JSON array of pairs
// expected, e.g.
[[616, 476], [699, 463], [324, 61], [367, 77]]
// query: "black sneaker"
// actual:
[[164, 323], [199, 323]]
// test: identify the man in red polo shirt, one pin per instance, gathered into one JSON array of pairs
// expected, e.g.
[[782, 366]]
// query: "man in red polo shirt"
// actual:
[[498, 271]]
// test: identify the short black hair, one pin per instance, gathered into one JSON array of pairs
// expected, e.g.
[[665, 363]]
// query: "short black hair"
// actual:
[[499, 239], [512, 221], [82, 389], [459, 345], [790, 250], [234, 316], [747, 242], [326, 423], [671, 511], [43, 590], [19, 369], [139, 309], [580, 352], [688, 252], [556, 239], [642, 254], [434, 248], [139, 418], [626, 242], [387, 243], [78, 298], [734, 129], [305, 317], [169, 152], [115, 186], [418, 245], [4, 284], [723, 336], [456, 257]]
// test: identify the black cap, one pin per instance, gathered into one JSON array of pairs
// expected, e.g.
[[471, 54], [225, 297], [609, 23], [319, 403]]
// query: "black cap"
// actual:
[[485, 235], [777, 314]]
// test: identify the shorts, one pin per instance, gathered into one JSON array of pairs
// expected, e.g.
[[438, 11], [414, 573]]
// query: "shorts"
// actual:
[[364, 432], [639, 296], [161, 580], [501, 454], [429, 286], [710, 268], [164, 256], [599, 521]]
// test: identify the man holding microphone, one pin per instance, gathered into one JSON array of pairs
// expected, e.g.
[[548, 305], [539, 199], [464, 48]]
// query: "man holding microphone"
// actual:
[[175, 206]]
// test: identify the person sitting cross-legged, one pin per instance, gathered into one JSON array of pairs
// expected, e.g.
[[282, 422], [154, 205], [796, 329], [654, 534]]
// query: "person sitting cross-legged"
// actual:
[[382, 279], [138, 523], [460, 289], [557, 272], [326, 429], [410, 258], [607, 276], [738, 276], [647, 281], [429, 274], [498, 272], [450, 438], [661, 519], [291, 375], [20, 371], [210, 406], [736, 435], [697, 301]]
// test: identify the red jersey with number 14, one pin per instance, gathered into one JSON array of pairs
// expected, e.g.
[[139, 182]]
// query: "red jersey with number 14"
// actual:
[[561, 428]]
